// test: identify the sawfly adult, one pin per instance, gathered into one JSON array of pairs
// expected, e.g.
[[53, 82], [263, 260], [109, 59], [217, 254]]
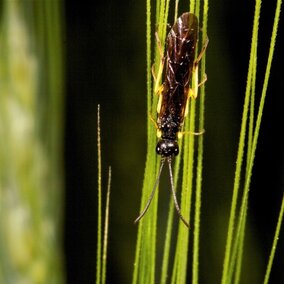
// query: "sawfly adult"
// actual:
[[180, 69]]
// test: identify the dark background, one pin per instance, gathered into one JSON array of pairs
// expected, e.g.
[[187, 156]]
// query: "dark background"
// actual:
[[105, 59]]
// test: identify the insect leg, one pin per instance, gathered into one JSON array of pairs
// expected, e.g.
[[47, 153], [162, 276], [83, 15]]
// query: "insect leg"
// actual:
[[193, 92], [159, 45], [189, 95], [159, 93], [201, 52], [195, 82], [153, 73], [153, 120], [158, 77], [181, 133]]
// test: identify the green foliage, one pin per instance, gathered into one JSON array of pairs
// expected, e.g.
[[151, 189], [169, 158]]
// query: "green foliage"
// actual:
[[102, 245], [31, 138], [99, 230], [233, 256]]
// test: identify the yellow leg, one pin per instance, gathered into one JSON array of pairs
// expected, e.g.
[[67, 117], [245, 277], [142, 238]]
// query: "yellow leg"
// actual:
[[201, 52], [193, 92], [153, 120], [187, 103], [195, 83], [159, 93], [159, 45], [159, 133], [181, 133], [153, 73], [158, 77]]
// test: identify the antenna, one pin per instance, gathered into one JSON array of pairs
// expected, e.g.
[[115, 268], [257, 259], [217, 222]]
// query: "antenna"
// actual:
[[152, 193], [174, 193]]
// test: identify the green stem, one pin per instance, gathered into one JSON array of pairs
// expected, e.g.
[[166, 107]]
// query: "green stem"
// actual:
[[274, 245], [105, 243], [196, 233], [99, 230], [239, 162]]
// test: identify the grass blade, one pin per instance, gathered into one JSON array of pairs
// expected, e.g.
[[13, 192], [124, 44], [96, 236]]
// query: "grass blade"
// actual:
[[105, 243], [228, 250], [274, 245], [199, 169], [99, 229], [257, 128], [237, 249]]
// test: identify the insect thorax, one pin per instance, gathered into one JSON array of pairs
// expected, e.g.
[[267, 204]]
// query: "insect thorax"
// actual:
[[169, 126]]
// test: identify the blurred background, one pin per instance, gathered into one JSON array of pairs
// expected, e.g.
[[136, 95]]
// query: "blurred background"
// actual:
[[104, 62]]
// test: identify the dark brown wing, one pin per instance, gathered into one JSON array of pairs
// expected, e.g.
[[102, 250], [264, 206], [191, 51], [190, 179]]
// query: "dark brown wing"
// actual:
[[181, 43]]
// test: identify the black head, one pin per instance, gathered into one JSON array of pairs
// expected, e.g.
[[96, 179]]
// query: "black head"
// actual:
[[167, 148]]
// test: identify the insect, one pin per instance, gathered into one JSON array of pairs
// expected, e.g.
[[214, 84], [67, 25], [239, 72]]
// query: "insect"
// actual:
[[174, 95]]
